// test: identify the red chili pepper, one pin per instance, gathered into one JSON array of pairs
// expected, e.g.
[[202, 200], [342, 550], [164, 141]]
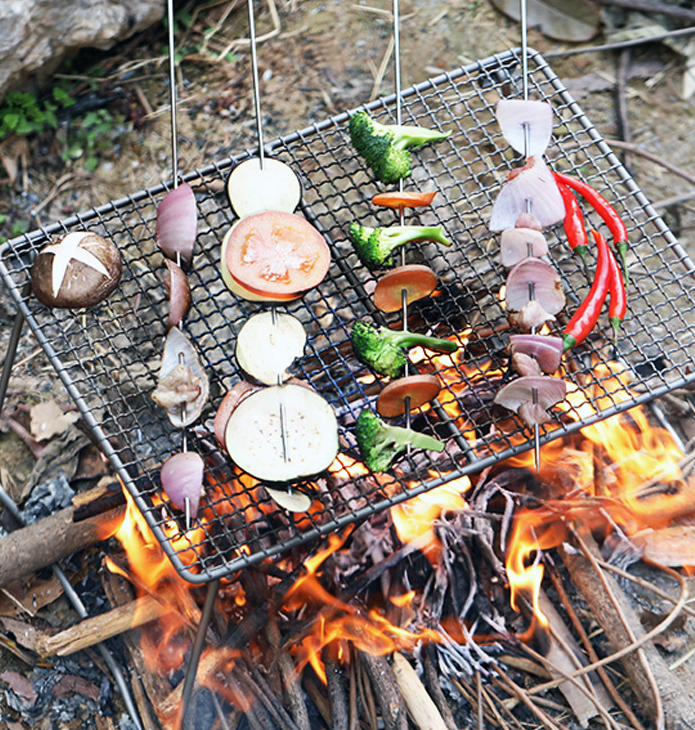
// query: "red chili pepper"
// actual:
[[403, 200], [605, 210], [586, 316], [616, 289], [574, 221]]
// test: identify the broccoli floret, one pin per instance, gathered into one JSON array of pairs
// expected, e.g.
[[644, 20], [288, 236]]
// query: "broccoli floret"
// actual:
[[385, 350], [374, 246], [384, 147], [380, 444]]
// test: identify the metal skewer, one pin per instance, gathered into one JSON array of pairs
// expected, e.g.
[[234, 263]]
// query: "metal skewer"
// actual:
[[259, 132], [523, 20], [401, 210]]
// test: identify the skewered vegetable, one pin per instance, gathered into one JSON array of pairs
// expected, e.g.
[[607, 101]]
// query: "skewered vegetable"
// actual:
[[276, 254], [179, 294], [182, 385], [251, 189], [177, 223], [236, 288], [231, 400], [407, 393], [254, 433], [416, 280], [532, 397], [375, 246], [384, 350], [398, 200], [76, 270], [380, 444], [182, 479], [586, 316], [267, 344], [546, 350], [384, 147], [517, 244], [529, 187], [526, 124], [533, 279], [292, 501]]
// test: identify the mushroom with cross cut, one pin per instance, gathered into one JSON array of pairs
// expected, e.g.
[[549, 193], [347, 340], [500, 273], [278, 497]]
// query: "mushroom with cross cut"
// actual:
[[78, 269]]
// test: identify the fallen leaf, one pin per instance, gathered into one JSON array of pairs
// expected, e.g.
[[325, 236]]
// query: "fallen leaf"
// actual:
[[48, 420], [20, 685], [564, 20]]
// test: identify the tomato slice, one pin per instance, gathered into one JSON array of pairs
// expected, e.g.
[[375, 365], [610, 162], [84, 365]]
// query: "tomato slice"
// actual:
[[397, 199], [420, 389], [276, 253], [417, 280], [241, 291]]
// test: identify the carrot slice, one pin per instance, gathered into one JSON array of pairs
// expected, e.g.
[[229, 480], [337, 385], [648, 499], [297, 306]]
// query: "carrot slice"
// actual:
[[276, 253], [418, 281], [397, 199], [420, 389]]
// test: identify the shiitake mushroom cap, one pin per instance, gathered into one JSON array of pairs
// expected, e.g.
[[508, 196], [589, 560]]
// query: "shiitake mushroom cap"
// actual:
[[92, 270]]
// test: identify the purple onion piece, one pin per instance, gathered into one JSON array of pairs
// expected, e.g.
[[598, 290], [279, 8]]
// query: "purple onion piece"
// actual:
[[530, 317], [534, 279], [177, 223], [517, 244], [533, 414], [515, 116], [525, 364], [179, 294], [545, 349], [182, 478], [532, 189], [548, 392], [528, 220]]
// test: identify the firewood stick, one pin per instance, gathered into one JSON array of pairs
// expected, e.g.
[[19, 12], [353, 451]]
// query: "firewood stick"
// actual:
[[337, 691], [387, 694], [93, 630], [675, 690], [51, 539], [434, 686], [420, 705]]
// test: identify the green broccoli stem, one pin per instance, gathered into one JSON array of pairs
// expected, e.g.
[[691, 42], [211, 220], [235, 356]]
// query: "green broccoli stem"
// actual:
[[400, 235], [408, 135], [406, 436], [406, 340]]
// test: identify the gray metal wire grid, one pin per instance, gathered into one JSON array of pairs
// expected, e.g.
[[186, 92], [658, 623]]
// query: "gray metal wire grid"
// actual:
[[108, 356]]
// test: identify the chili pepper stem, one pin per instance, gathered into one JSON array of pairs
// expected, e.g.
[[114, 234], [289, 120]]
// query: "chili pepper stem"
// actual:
[[568, 342], [615, 322], [621, 247]]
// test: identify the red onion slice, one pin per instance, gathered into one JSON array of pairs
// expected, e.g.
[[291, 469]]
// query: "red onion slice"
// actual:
[[533, 279], [177, 223], [545, 349], [520, 243], [528, 220], [533, 414], [548, 391], [179, 294], [531, 189], [515, 116], [525, 364], [531, 316], [182, 478]]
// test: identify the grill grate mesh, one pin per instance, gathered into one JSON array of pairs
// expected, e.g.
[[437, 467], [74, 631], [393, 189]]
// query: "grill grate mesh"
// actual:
[[108, 356]]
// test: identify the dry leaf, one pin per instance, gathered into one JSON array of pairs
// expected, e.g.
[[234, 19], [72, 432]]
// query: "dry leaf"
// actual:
[[48, 420]]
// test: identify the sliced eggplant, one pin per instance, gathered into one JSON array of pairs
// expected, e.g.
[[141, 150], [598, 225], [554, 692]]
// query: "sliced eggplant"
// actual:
[[231, 400], [267, 344], [182, 384], [292, 501], [252, 189], [254, 434]]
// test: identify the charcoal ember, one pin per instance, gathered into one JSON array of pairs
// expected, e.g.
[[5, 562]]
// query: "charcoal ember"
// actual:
[[47, 498]]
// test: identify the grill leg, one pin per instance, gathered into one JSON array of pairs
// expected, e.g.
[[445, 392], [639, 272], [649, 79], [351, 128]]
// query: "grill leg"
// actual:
[[10, 356], [197, 650]]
